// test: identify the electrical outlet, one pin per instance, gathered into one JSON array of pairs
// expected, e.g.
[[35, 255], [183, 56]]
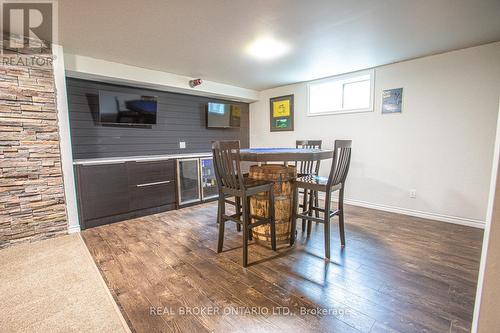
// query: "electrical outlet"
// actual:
[[182, 145], [413, 194]]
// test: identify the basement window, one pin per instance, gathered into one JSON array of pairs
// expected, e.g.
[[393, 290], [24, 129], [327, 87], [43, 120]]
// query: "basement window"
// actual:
[[341, 94]]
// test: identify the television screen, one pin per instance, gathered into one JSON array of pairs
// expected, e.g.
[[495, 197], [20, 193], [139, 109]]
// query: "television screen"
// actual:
[[122, 108], [223, 115]]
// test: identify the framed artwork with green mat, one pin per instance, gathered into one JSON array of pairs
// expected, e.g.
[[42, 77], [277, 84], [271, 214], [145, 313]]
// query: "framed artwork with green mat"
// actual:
[[281, 114]]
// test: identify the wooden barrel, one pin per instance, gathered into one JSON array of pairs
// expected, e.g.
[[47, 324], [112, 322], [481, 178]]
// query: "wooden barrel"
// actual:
[[283, 177]]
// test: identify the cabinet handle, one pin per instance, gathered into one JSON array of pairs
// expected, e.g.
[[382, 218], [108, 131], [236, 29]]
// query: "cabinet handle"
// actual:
[[155, 183]]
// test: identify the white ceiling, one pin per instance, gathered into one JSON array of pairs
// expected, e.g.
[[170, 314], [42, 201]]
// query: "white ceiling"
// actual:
[[207, 38]]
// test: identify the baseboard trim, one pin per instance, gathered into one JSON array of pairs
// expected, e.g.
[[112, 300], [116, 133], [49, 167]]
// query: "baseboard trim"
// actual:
[[73, 229], [416, 213]]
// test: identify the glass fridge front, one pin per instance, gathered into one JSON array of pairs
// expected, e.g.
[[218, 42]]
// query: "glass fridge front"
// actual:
[[208, 181], [188, 180]]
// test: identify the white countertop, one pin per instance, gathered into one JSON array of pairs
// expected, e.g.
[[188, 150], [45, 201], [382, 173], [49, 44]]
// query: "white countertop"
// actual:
[[111, 160]]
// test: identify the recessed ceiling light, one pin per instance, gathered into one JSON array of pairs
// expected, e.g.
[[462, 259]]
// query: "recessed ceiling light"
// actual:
[[267, 48]]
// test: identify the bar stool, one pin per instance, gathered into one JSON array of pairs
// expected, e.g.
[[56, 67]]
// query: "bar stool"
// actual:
[[231, 182], [334, 182]]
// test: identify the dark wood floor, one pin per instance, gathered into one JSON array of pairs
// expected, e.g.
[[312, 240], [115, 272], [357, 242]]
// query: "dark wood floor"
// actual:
[[397, 274]]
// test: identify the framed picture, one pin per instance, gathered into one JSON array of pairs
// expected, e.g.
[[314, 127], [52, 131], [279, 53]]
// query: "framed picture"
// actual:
[[392, 100], [281, 115]]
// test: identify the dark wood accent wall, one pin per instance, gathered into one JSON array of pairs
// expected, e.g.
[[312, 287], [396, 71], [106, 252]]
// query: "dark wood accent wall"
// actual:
[[180, 118]]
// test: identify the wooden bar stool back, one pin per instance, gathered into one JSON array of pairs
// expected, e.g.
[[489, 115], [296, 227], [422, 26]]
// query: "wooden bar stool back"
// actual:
[[231, 182], [305, 168]]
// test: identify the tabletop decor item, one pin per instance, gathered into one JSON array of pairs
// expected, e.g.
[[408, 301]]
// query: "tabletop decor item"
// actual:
[[281, 114], [392, 100]]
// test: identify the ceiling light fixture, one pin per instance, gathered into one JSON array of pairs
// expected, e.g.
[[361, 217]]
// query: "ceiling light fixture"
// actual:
[[267, 48]]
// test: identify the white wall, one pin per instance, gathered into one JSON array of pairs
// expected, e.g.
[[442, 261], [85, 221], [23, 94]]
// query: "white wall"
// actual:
[[441, 145], [65, 140]]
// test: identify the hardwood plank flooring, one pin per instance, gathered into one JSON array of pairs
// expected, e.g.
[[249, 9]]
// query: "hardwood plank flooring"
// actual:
[[396, 274]]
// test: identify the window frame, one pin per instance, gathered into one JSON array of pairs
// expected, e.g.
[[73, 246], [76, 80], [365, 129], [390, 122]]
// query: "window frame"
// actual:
[[370, 108]]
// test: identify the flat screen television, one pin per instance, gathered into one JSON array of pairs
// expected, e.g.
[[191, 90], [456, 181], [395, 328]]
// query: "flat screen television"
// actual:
[[126, 109], [223, 115]]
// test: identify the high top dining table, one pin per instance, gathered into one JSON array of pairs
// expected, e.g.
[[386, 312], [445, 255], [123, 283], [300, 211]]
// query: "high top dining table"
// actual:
[[283, 176], [284, 155]]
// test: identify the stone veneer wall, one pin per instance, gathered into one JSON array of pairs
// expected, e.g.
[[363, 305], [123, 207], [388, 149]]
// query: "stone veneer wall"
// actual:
[[32, 204]]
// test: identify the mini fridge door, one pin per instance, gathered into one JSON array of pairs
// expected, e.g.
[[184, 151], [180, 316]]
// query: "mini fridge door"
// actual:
[[188, 180], [208, 181]]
